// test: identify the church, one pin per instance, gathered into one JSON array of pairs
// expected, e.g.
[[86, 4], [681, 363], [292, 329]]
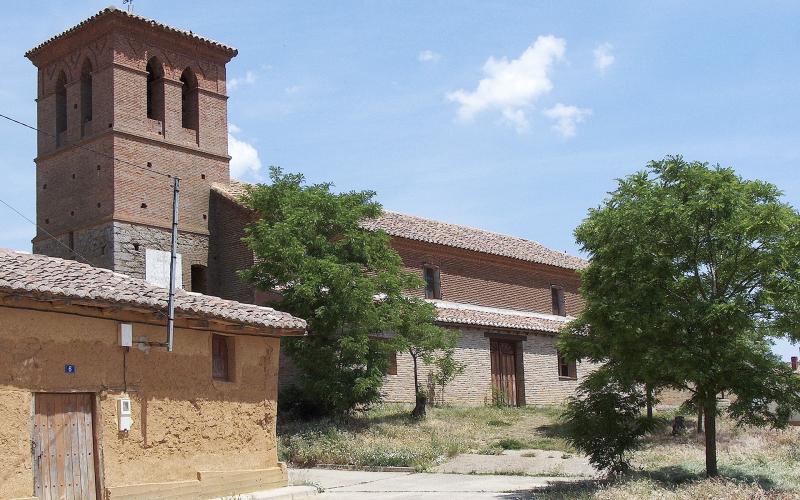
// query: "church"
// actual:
[[126, 103]]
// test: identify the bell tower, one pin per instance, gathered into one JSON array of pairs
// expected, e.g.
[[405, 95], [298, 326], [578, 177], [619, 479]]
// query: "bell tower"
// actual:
[[124, 102]]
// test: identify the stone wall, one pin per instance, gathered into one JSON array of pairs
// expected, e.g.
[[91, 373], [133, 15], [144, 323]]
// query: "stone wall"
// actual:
[[542, 384], [131, 242], [94, 244]]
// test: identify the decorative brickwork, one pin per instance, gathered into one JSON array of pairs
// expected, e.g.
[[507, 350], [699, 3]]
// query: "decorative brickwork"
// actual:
[[78, 189]]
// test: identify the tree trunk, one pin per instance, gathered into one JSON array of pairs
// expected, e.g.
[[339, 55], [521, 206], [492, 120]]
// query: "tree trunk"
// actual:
[[711, 436], [700, 413], [649, 391], [416, 377], [419, 399]]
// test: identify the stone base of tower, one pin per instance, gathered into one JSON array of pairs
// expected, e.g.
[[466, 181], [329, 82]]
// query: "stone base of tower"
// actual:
[[122, 247]]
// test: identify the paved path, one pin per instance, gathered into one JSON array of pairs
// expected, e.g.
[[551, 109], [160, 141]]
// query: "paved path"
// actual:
[[408, 485], [530, 462]]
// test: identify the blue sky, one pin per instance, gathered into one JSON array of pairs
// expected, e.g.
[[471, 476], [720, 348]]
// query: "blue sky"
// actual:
[[509, 116]]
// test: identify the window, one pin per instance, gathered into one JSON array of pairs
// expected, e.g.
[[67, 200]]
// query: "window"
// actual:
[[221, 357], [155, 89], [566, 369], [432, 282], [86, 92], [61, 103], [557, 294], [189, 100], [391, 369], [199, 278]]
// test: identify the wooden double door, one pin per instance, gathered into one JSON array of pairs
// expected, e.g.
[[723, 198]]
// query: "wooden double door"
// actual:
[[504, 372], [63, 447]]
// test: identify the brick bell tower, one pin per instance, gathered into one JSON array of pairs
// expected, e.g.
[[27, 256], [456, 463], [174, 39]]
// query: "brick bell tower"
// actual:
[[145, 93]]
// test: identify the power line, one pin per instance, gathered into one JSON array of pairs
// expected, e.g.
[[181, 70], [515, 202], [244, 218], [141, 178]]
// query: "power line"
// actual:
[[45, 231], [100, 153]]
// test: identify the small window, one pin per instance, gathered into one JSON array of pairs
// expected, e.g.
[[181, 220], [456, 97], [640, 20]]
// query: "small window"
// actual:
[[199, 278], [221, 357], [557, 294], [61, 103], [567, 369], [391, 368], [432, 282], [155, 90], [189, 100], [86, 92]]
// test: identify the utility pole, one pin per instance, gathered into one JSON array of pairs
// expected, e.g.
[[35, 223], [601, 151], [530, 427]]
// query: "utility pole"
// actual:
[[173, 259]]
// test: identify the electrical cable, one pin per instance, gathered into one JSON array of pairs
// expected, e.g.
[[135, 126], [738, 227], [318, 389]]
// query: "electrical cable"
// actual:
[[100, 153]]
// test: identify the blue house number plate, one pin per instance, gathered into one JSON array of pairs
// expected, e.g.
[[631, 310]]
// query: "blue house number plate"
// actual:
[[69, 369]]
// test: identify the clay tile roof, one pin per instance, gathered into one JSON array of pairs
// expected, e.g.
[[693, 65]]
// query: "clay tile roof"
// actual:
[[43, 277], [468, 314], [469, 238], [113, 11], [444, 233]]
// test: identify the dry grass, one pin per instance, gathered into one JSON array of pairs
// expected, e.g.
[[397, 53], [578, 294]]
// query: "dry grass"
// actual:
[[386, 436], [755, 463]]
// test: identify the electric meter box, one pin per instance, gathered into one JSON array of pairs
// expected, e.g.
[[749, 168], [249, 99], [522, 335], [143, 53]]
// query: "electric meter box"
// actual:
[[124, 414]]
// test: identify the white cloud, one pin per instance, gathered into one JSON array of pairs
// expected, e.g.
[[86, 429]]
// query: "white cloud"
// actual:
[[245, 163], [603, 58], [428, 56], [512, 86], [249, 78], [566, 118]]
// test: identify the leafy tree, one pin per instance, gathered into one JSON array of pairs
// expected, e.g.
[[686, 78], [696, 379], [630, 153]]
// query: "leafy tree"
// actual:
[[415, 333], [693, 271], [348, 283]]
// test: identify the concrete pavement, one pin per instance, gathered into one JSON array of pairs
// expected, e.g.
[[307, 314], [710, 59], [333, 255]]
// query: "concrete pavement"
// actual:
[[340, 484]]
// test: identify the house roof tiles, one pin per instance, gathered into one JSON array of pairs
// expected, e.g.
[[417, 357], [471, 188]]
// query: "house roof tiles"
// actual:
[[489, 317], [45, 277]]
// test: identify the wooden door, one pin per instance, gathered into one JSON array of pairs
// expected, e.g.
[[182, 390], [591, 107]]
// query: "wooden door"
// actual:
[[504, 371], [63, 447]]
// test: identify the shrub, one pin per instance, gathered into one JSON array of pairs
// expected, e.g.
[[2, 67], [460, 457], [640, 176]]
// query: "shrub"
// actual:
[[510, 444], [604, 420]]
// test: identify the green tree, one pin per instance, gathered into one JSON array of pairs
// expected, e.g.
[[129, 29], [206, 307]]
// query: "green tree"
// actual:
[[693, 271], [415, 332], [348, 283]]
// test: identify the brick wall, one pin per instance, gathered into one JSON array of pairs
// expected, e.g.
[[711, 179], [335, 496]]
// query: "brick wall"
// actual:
[[227, 252], [78, 189], [488, 280]]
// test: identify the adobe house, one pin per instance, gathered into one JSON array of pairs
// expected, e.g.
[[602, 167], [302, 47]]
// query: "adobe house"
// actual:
[[93, 406]]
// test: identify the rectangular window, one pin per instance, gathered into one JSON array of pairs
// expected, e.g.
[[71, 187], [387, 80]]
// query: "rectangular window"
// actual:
[[391, 369], [432, 282], [557, 294], [221, 357], [199, 278], [567, 369]]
